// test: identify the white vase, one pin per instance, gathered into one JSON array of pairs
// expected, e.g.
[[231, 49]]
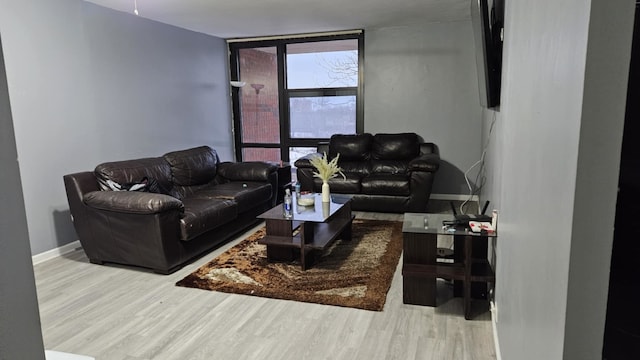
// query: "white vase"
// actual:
[[326, 195], [326, 209]]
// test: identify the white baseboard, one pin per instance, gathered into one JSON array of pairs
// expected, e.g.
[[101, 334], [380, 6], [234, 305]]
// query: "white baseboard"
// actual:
[[494, 320], [454, 197], [53, 253]]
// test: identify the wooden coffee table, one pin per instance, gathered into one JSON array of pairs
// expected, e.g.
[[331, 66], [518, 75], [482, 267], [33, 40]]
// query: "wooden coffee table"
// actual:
[[310, 230]]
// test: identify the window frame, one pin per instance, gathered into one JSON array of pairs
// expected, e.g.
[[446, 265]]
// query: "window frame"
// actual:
[[284, 94]]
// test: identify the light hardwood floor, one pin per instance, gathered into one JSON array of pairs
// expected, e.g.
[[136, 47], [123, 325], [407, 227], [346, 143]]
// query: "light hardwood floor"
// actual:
[[114, 312]]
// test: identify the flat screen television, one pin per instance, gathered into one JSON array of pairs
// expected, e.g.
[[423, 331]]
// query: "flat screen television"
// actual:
[[487, 29]]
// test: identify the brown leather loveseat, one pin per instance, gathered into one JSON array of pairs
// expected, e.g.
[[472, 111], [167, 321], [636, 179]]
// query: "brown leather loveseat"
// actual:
[[196, 203], [384, 172]]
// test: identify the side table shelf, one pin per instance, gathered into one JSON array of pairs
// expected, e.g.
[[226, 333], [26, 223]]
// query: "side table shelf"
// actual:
[[481, 271]]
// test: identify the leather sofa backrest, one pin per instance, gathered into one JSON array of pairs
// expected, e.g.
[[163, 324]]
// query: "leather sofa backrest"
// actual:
[[350, 147], [403, 146], [360, 167], [130, 171], [379, 153], [195, 166]]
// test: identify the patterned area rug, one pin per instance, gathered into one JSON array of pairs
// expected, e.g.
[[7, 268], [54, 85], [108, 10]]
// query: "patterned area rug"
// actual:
[[354, 273]]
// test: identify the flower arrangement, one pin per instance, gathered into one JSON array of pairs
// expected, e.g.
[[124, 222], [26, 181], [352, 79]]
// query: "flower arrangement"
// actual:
[[326, 169]]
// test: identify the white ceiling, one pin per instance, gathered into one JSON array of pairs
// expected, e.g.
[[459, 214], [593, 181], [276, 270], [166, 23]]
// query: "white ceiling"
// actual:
[[249, 18]]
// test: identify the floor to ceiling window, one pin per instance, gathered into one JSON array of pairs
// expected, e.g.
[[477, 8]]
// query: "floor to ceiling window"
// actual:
[[296, 92]]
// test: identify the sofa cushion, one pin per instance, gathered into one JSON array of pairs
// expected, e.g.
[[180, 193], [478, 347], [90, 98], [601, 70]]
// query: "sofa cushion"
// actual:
[[183, 192], [361, 167], [342, 186], [403, 146], [247, 195], [131, 171], [203, 214], [386, 184], [350, 147], [389, 166], [194, 166]]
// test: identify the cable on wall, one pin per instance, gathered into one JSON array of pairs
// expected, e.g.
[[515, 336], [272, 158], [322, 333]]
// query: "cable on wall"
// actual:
[[480, 178]]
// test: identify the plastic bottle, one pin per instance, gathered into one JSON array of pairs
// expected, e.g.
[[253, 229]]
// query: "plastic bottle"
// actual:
[[297, 187], [287, 205]]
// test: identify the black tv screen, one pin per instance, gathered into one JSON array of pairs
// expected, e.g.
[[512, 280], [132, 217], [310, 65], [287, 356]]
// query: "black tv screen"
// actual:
[[487, 29]]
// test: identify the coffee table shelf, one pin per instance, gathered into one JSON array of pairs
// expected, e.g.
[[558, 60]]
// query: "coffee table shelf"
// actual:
[[323, 235], [282, 241]]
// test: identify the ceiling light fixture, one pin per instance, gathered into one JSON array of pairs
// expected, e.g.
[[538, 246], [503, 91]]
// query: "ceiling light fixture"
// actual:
[[135, 7]]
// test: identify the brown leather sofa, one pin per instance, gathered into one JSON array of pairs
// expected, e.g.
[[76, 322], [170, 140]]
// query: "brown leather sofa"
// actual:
[[198, 203], [384, 172]]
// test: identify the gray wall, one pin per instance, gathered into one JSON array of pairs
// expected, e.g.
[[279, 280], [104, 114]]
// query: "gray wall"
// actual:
[[20, 336], [422, 78], [89, 84], [552, 167]]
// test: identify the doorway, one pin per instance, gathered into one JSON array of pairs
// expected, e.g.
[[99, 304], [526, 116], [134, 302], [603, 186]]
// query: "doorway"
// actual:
[[622, 327]]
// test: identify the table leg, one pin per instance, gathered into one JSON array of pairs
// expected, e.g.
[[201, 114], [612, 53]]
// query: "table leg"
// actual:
[[306, 236], [419, 249], [458, 258], [279, 227], [467, 276], [346, 233]]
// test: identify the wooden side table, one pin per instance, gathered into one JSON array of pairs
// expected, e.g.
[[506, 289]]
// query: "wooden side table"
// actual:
[[470, 268]]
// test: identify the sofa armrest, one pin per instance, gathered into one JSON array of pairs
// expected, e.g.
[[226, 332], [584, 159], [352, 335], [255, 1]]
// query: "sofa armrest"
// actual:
[[323, 147], [132, 202], [305, 172], [247, 171], [425, 162], [304, 162]]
